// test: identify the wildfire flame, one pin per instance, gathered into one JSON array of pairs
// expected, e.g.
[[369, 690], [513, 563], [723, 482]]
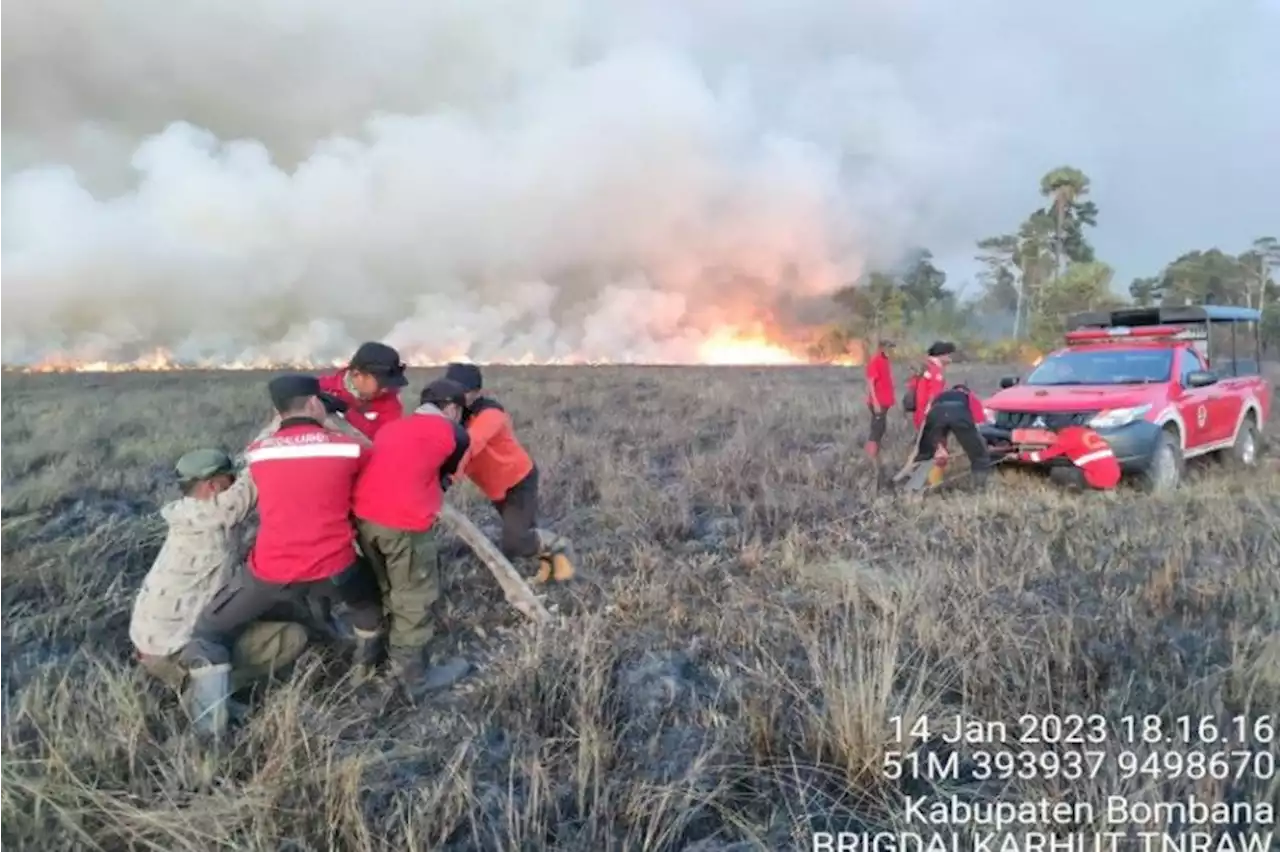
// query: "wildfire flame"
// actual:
[[725, 347], [732, 348]]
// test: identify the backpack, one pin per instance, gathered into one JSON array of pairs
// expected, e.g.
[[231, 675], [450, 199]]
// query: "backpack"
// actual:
[[909, 395]]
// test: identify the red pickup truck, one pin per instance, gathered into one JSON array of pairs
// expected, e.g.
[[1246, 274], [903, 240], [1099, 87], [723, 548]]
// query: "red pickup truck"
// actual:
[[1148, 383]]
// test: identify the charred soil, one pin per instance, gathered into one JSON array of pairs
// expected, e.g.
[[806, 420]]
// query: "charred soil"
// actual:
[[755, 613]]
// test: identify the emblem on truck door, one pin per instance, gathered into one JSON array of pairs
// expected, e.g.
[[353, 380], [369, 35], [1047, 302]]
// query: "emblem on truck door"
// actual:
[[1201, 416]]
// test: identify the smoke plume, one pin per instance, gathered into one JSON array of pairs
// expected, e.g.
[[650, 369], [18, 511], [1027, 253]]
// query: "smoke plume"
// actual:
[[564, 178]]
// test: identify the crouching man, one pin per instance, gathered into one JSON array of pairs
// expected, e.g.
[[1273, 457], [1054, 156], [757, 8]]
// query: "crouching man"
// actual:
[[398, 497], [201, 554], [305, 476], [956, 411], [1095, 462], [502, 469]]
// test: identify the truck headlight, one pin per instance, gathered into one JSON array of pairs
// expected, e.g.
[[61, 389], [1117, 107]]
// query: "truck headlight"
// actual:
[[1117, 417]]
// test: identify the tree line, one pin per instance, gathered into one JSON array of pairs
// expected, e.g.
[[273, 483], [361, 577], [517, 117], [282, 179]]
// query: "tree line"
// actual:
[[1036, 276]]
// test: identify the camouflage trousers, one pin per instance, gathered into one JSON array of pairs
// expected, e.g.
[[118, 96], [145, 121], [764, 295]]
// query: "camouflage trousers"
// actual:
[[407, 565], [263, 650]]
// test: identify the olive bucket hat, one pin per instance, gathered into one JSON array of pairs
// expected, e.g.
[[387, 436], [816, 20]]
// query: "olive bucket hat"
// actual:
[[203, 464]]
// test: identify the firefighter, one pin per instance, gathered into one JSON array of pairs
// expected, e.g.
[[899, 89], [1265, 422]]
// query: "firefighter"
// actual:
[[1096, 463], [880, 396], [305, 476], [398, 496], [369, 387], [502, 469], [956, 411], [930, 381], [201, 552], [923, 386]]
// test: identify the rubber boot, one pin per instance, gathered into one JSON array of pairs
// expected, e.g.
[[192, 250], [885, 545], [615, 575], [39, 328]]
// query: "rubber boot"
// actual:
[[208, 699], [557, 552], [417, 679], [368, 654]]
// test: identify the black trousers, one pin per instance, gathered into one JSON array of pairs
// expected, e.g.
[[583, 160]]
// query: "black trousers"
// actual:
[[519, 513], [878, 423], [944, 420], [246, 599]]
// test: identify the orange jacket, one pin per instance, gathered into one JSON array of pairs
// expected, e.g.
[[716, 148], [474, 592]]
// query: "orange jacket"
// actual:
[[495, 461], [1087, 451]]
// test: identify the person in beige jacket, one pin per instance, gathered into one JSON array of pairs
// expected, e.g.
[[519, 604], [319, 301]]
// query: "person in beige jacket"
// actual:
[[202, 550]]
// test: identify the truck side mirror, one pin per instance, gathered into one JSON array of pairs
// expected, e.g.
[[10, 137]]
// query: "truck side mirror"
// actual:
[[1201, 378], [1008, 382]]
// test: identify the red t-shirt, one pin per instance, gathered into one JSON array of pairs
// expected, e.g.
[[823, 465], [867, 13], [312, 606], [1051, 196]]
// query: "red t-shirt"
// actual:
[[366, 415], [305, 476], [400, 486], [880, 381]]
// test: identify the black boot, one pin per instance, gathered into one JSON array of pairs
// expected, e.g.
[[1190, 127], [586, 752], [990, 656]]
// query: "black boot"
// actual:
[[417, 679]]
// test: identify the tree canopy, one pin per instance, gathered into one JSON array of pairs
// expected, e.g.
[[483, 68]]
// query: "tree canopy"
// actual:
[[1044, 269]]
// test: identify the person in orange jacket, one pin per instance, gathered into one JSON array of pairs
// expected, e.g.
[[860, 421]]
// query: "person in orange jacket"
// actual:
[[879, 376], [1092, 456], [502, 469]]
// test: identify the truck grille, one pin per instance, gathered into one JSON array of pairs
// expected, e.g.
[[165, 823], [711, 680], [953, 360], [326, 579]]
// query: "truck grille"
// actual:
[[1052, 420]]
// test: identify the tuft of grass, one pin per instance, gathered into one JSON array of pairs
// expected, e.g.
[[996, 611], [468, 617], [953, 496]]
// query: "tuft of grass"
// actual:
[[757, 615]]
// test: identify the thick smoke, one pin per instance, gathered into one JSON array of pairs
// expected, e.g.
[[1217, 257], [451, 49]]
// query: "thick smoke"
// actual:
[[559, 178]]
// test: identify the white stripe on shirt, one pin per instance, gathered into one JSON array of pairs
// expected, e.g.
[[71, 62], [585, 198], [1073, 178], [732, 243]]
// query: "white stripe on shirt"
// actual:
[[1093, 457], [328, 449]]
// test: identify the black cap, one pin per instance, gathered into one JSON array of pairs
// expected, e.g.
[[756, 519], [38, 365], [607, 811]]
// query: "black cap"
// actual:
[[288, 389], [467, 375], [941, 347], [380, 361], [443, 392]]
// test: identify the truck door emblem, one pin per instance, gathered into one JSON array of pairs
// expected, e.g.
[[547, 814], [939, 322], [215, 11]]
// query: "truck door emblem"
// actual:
[[1201, 416]]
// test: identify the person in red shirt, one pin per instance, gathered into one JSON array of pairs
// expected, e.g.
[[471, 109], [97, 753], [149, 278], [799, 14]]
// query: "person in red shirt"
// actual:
[[1086, 449], [398, 496], [880, 396], [368, 388], [931, 381], [956, 411], [305, 476], [502, 469]]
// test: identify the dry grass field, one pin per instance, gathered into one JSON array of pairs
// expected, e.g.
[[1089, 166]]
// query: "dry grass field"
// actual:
[[756, 615]]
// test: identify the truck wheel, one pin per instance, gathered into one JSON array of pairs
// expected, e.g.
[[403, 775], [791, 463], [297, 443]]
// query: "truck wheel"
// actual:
[[1244, 452], [1164, 473]]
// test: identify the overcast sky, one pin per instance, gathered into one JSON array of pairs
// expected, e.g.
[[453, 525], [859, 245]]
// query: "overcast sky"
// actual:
[[498, 176]]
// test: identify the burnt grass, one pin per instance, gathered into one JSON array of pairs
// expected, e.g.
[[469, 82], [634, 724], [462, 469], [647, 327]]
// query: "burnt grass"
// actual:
[[753, 613]]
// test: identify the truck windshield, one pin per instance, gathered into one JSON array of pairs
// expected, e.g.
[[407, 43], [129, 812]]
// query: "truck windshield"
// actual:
[[1104, 367]]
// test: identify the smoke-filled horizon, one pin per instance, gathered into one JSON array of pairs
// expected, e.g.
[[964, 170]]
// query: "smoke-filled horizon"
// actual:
[[554, 178]]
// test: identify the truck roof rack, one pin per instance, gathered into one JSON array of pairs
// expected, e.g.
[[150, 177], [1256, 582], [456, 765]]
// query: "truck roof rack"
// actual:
[[1138, 317]]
